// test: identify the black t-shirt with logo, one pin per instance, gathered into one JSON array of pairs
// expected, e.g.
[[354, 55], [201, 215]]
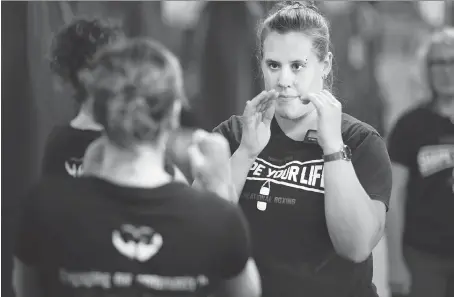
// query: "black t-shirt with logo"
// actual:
[[122, 241], [65, 150], [283, 200], [423, 141]]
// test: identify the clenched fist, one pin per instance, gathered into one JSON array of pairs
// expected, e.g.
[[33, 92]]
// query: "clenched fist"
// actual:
[[209, 156]]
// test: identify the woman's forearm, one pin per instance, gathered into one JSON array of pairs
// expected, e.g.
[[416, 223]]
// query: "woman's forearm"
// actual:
[[240, 163]]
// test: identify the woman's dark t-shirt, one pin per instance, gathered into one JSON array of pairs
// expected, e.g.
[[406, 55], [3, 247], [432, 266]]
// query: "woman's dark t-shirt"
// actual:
[[89, 237]]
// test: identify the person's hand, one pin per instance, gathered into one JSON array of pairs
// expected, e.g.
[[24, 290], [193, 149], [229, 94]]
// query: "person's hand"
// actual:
[[329, 112], [209, 156], [93, 157], [256, 120], [399, 277]]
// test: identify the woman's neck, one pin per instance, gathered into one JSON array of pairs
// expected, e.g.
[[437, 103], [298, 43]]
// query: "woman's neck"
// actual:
[[444, 106], [296, 129], [143, 168], [84, 120]]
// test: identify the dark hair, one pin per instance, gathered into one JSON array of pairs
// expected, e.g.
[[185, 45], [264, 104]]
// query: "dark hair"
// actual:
[[298, 16], [74, 46], [134, 84]]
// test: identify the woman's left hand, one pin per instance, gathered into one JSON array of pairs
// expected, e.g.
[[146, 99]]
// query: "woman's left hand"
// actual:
[[329, 111]]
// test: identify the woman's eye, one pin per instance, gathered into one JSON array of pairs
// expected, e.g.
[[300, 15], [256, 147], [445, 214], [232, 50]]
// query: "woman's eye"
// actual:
[[297, 66], [273, 66]]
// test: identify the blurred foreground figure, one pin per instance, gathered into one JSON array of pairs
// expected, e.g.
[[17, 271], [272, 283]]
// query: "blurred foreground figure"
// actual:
[[126, 227]]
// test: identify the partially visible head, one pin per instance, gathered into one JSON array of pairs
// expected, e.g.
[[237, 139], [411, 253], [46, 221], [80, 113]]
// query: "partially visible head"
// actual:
[[438, 62], [74, 46], [137, 89], [294, 42]]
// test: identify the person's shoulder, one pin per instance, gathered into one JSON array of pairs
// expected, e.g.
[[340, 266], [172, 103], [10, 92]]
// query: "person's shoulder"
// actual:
[[206, 201], [61, 184], [209, 197], [352, 128], [231, 129], [231, 125], [64, 133], [69, 132], [57, 133], [50, 190], [416, 114]]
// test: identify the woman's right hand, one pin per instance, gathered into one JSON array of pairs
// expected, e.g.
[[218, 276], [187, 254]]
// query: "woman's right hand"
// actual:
[[256, 120]]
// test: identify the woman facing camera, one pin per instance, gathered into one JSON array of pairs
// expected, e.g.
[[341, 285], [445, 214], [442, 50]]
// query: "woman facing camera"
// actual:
[[313, 182], [129, 228]]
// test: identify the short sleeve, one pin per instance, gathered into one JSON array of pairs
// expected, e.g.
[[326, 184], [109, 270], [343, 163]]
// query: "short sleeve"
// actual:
[[237, 249], [27, 247], [400, 142], [373, 167], [231, 129]]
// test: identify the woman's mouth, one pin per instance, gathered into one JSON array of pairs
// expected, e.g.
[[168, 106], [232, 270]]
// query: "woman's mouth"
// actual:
[[286, 98]]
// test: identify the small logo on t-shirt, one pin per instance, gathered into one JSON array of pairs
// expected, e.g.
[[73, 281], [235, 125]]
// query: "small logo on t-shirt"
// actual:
[[264, 190], [435, 158], [73, 167], [137, 243]]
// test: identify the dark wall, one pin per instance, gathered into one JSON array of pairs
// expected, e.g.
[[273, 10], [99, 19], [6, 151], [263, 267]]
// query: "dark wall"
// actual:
[[17, 166]]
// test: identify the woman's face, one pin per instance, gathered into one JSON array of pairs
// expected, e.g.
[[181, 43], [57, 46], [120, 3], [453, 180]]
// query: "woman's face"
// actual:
[[441, 68], [291, 67]]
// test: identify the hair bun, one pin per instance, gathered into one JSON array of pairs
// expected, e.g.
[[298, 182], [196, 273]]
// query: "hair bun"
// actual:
[[300, 4]]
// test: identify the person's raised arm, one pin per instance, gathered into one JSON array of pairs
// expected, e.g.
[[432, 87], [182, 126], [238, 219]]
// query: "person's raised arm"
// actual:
[[255, 126], [355, 200]]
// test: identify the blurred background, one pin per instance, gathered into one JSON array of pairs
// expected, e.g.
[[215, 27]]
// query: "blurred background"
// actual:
[[374, 44]]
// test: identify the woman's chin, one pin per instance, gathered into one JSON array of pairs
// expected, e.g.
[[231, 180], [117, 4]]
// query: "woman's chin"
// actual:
[[291, 114], [293, 111]]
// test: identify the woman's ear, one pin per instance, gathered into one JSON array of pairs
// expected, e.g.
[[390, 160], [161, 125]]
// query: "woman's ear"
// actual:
[[328, 64], [175, 117]]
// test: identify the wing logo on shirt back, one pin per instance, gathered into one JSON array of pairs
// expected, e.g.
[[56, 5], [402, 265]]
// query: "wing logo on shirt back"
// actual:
[[137, 243], [73, 167]]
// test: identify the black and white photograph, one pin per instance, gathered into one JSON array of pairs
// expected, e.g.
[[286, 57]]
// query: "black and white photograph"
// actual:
[[227, 148]]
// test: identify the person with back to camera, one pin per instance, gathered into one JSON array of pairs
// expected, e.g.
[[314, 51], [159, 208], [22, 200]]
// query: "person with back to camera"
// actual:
[[314, 183], [137, 232], [421, 147], [72, 48]]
